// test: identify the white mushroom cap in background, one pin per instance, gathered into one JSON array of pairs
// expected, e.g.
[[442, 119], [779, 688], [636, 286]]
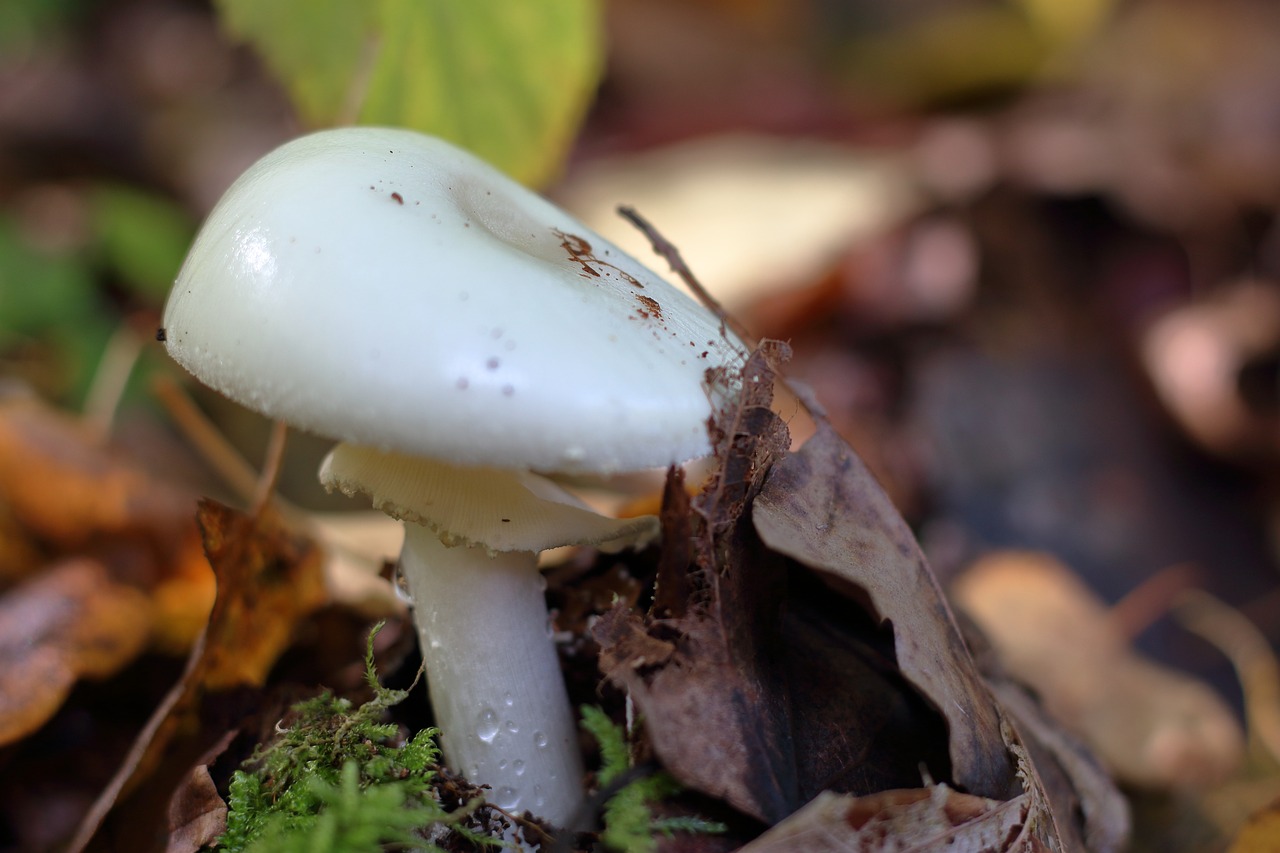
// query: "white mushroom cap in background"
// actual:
[[387, 289]]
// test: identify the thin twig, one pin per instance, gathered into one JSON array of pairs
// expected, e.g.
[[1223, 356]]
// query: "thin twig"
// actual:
[[1250, 654], [216, 451], [110, 378], [265, 487], [665, 249], [213, 448]]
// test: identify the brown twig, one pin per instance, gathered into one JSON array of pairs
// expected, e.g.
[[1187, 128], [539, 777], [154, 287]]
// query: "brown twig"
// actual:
[[665, 249], [217, 452], [265, 487]]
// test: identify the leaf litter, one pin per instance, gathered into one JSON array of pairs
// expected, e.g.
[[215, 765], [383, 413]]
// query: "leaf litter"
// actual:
[[816, 665], [797, 662]]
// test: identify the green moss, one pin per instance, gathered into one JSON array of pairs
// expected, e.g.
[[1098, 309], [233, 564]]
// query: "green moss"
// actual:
[[338, 779], [629, 823]]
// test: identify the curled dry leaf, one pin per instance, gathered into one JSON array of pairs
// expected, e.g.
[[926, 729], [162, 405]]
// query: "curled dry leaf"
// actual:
[[1087, 809], [72, 621], [934, 818], [765, 689], [268, 579], [714, 706], [821, 507], [1150, 725], [196, 814]]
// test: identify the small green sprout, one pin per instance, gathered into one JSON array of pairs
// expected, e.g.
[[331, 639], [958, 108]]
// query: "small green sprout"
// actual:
[[629, 824]]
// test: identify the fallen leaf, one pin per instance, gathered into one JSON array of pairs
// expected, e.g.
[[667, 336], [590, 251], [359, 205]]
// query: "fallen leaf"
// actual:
[[70, 622], [767, 689], [64, 492], [1086, 808], [197, 814], [20, 555], [66, 487], [269, 578], [822, 508], [935, 818], [1149, 724]]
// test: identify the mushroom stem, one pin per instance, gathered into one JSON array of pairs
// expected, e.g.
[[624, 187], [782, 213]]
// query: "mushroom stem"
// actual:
[[493, 674]]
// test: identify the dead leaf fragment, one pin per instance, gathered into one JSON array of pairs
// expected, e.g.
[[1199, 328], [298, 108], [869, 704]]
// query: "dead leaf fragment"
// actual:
[[268, 579], [821, 507], [70, 622], [1085, 807], [928, 819], [1150, 725], [1261, 834], [196, 814], [766, 689]]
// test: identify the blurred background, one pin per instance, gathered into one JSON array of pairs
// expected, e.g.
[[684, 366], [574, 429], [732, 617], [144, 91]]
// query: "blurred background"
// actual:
[[1025, 251]]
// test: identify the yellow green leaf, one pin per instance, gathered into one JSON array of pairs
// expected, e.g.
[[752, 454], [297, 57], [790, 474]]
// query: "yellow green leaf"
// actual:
[[316, 48], [507, 79]]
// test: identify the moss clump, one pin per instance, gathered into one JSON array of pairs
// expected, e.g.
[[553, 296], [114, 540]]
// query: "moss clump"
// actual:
[[340, 779]]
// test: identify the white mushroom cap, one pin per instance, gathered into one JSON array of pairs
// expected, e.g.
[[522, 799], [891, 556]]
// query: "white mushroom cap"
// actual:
[[387, 289]]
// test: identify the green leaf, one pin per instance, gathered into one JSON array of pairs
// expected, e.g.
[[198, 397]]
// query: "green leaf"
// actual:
[[316, 47], [49, 299], [140, 236], [506, 79]]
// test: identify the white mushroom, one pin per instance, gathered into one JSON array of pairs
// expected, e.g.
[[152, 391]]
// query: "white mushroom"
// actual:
[[455, 332]]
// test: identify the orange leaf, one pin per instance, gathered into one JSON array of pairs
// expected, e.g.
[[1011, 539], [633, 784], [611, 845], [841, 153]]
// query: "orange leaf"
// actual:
[[72, 621], [64, 486], [268, 579]]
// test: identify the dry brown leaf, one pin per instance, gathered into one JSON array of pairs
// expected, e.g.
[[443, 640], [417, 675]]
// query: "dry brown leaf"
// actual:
[[929, 819], [766, 689], [269, 578], [72, 621], [1149, 724], [20, 555], [197, 814], [1086, 808], [821, 507], [714, 709]]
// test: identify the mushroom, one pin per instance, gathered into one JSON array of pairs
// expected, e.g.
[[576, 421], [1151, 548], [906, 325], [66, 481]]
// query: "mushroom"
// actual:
[[456, 333]]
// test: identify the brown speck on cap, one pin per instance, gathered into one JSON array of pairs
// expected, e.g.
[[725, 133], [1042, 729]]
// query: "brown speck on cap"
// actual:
[[649, 307], [397, 198]]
